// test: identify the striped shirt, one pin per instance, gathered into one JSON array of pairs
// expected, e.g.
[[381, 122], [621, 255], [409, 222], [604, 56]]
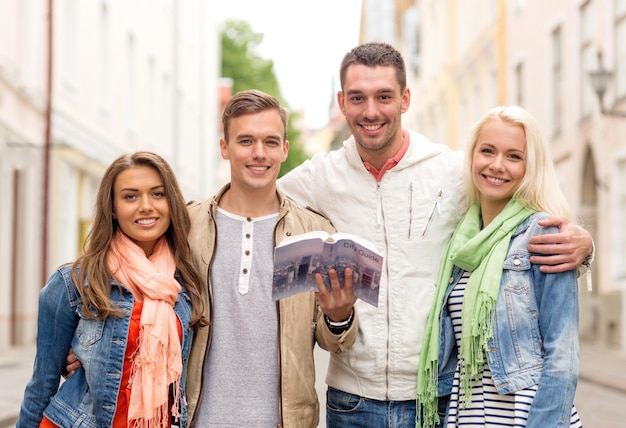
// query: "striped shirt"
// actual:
[[487, 407]]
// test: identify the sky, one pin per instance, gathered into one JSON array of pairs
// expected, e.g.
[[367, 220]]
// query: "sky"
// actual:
[[307, 41]]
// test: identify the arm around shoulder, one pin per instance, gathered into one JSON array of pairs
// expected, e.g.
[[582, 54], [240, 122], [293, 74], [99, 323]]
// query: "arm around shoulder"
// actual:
[[559, 252]]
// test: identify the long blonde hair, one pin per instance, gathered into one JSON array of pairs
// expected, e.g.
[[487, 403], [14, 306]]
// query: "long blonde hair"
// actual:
[[539, 189]]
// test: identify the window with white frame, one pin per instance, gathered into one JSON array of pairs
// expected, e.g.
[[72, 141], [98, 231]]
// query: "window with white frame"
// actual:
[[25, 48], [104, 89], [131, 107], [152, 101], [71, 47]]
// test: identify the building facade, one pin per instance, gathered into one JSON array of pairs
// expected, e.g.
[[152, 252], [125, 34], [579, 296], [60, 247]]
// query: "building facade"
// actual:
[[467, 57], [23, 101], [80, 84]]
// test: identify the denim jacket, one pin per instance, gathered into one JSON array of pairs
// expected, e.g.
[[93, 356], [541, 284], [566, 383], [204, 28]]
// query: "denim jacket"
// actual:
[[535, 338], [88, 398]]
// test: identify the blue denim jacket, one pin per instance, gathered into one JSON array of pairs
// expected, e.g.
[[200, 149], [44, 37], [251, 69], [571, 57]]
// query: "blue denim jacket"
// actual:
[[89, 397], [535, 340]]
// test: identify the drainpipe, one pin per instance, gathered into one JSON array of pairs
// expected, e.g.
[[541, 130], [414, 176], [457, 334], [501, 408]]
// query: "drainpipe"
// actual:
[[46, 150]]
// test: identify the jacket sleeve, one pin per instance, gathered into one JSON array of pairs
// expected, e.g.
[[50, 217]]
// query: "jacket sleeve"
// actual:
[[56, 323], [336, 343], [557, 299], [297, 183]]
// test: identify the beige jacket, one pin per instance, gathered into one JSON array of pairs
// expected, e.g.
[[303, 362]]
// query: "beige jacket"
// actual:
[[299, 316]]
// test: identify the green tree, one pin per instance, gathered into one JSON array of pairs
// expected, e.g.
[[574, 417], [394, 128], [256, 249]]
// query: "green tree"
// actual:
[[248, 70]]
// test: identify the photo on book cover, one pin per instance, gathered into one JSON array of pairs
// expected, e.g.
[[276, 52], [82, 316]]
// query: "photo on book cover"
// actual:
[[296, 263]]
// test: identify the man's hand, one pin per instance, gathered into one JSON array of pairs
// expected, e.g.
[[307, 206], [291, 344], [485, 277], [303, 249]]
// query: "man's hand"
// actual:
[[72, 364], [336, 303], [563, 251]]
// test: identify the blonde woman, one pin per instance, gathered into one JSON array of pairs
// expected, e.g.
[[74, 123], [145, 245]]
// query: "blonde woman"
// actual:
[[502, 336]]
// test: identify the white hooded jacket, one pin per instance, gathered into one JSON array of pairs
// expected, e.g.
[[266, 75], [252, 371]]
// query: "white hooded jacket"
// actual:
[[410, 215]]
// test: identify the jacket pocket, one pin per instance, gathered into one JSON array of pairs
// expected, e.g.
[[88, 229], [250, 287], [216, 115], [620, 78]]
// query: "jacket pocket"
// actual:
[[89, 331], [517, 316]]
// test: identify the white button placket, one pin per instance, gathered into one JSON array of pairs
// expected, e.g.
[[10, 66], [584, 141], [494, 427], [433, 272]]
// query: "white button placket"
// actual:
[[246, 256]]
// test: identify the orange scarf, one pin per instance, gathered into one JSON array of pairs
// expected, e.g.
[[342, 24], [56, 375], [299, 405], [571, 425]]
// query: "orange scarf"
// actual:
[[158, 360]]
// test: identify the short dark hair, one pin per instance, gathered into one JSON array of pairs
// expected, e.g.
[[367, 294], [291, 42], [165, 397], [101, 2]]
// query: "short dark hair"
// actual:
[[374, 54], [252, 101]]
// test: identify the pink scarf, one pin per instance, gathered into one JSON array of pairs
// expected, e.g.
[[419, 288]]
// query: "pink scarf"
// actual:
[[157, 363]]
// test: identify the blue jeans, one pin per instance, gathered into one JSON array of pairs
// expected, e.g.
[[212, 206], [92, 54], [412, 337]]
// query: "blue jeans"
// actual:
[[345, 410]]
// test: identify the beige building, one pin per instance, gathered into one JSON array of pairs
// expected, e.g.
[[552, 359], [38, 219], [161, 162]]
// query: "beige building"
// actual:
[[122, 76], [466, 57]]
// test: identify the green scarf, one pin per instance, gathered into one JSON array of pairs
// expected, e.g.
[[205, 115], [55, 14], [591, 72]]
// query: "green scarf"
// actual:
[[481, 252]]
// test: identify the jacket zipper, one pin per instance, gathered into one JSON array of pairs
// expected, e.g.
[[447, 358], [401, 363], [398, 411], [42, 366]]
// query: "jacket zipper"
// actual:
[[210, 321], [278, 339], [280, 371], [436, 210], [410, 208], [379, 206]]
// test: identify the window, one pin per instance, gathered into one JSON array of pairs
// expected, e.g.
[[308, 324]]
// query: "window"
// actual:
[[152, 102], [71, 32], [130, 78], [104, 88], [25, 45]]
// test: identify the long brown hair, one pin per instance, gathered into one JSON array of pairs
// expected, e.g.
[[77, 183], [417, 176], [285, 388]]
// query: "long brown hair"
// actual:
[[90, 271]]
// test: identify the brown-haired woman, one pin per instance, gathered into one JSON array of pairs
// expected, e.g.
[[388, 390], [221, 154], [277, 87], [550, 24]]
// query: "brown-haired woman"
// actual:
[[127, 307]]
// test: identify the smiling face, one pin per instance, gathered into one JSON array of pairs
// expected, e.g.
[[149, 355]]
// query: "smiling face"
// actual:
[[498, 163], [141, 206], [373, 102], [255, 150]]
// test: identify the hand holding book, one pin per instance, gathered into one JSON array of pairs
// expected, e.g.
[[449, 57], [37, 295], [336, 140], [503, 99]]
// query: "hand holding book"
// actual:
[[338, 301], [299, 258]]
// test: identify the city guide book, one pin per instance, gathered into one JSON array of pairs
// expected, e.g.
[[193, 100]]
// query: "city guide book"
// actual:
[[298, 258]]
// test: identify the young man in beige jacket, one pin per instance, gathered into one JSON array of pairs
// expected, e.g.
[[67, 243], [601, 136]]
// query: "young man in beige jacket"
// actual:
[[253, 365]]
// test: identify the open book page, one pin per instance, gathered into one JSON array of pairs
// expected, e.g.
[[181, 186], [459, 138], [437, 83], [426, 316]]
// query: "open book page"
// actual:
[[298, 258]]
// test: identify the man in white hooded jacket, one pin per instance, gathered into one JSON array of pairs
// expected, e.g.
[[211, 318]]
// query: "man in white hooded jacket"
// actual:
[[405, 194]]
